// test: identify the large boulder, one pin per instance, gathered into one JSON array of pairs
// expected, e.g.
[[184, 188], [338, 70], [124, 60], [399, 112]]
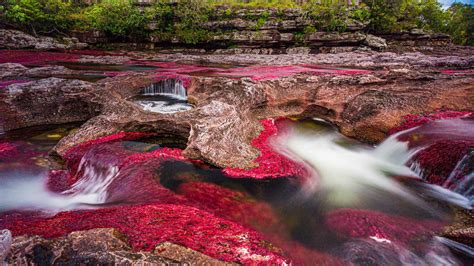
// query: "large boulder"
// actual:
[[14, 39], [98, 246]]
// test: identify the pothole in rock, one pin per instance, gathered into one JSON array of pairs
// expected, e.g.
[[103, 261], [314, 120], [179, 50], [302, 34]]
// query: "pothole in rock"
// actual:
[[166, 96]]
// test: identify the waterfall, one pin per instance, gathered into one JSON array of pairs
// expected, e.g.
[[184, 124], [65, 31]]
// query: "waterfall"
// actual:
[[347, 174], [28, 191], [168, 87]]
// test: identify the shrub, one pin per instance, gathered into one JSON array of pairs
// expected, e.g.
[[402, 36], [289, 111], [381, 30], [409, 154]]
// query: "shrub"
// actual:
[[327, 17], [461, 24], [115, 17], [35, 16]]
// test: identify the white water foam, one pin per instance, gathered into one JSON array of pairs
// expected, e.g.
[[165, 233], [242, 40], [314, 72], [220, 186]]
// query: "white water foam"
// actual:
[[29, 192], [348, 174], [168, 87]]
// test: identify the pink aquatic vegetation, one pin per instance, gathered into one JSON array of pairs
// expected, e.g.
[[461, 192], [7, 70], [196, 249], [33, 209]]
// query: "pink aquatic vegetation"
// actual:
[[146, 226], [25, 57], [240, 207], [271, 164], [446, 140], [190, 220], [458, 71], [415, 120], [364, 223], [230, 204], [16, 151]]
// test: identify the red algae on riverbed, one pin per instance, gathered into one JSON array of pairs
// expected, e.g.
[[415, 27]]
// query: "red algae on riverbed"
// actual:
[[26, 57], [167, 216], [365, 223], [415, 120], [271, 164], [146, 226], [443, 151]]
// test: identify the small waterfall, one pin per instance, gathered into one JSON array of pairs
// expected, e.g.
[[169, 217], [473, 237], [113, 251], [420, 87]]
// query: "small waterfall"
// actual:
[[166, 96], [97, 170], [92, 185], [349, 175], [168, 87]]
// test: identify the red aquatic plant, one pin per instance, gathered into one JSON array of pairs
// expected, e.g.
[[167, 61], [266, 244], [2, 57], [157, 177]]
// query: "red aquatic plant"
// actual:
[[414, 120], [438, 160], [445, 141], [365, 223], [26, 57], [146, 226], [271, 164]]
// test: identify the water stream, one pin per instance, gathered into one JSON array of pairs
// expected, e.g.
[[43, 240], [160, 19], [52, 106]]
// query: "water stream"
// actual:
[[363, 204]]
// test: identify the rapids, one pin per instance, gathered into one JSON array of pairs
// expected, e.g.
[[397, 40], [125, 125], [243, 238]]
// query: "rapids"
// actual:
[[363, 204], [350, 173]]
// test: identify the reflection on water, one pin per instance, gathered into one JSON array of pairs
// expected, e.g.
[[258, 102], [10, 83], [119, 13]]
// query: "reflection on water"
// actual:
[[374, 227]]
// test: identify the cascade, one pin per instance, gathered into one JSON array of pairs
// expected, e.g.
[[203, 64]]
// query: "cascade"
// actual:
[[168, 87]]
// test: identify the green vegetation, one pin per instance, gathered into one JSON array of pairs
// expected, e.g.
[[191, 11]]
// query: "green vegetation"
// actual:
[[255, 3], [116, 18], [46, 16], [124, 20], [461, 24]]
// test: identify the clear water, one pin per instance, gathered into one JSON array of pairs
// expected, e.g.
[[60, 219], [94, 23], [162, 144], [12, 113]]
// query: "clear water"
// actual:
[[350, 176]]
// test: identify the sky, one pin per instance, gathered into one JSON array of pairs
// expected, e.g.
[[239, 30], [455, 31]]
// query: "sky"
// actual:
[[447, 3]]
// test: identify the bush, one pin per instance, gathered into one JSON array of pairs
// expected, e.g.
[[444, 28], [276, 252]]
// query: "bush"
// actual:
[[327, 17], [461, 24], [398, 15], [115, 17], [45, 16]]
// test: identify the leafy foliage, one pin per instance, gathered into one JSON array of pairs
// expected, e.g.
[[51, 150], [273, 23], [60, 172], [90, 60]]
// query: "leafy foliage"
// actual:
[[115, 17], [461, 24], [182, 21], [45, 16]]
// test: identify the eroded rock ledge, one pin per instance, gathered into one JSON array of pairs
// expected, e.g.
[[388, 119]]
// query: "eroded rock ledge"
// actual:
[[98, 246], [227, 112]]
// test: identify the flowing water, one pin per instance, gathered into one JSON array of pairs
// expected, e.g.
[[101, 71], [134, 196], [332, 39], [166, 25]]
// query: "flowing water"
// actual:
[[166, 96], [364, 204]]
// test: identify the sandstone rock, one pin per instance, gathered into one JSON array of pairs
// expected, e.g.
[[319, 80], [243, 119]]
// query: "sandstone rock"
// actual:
[[47, 101], [181, 254], [15, 71], [462, 230], [375, 42], [364, 107], [98, 246], [13, 39], [298, 50], [365, 59]]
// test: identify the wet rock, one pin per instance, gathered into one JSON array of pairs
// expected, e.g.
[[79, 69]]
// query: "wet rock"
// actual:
[[15, 71], [47, 101], [96, 246], [227, 113], [457, 58], [185, 255], [13, 39], [462, 229]]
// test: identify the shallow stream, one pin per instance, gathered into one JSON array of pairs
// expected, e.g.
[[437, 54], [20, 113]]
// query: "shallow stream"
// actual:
[[365, 204]]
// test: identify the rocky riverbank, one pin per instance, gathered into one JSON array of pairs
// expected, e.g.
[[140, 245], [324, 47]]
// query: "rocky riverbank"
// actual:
[[239, 101]]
